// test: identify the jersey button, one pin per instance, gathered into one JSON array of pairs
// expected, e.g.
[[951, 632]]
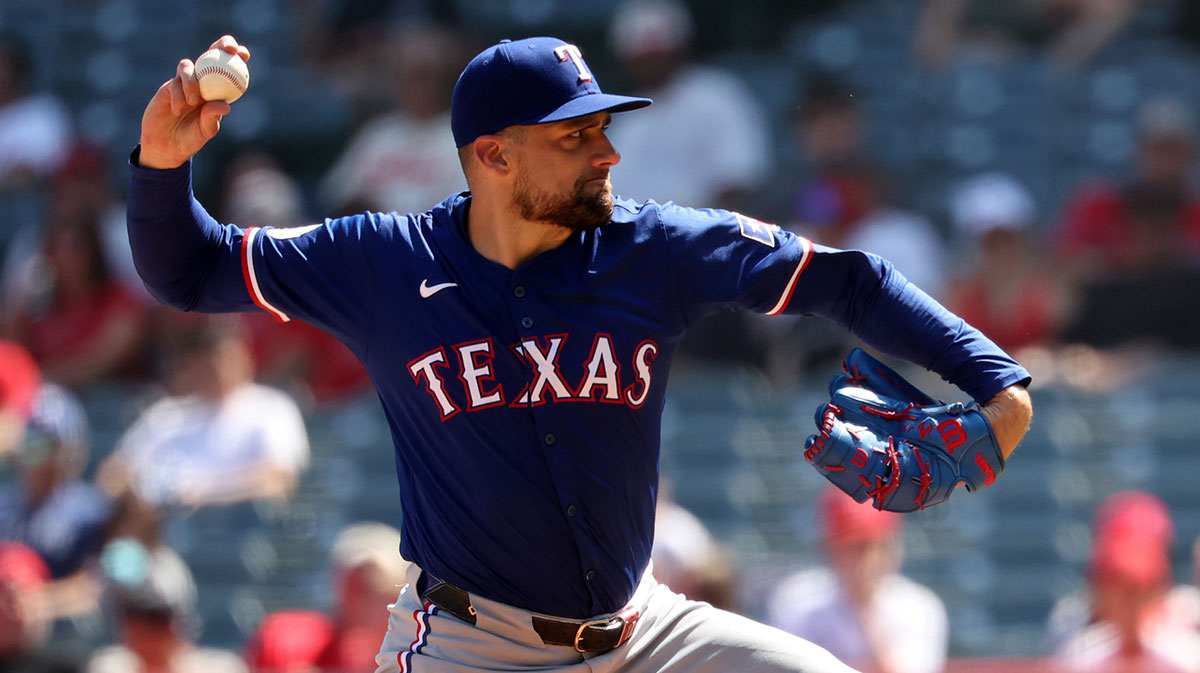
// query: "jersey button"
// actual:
[[591, 575], [526, 322], [571, 510], [519, 291], [550, 439]]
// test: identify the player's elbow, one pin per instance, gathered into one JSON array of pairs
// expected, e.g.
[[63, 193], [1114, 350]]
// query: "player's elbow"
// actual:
[[172, 291]]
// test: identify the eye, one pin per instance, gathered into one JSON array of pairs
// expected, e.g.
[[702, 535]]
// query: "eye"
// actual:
[[575, 134]]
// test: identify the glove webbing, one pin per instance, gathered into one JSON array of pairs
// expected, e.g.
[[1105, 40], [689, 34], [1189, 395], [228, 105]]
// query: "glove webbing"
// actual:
[[880, 490]]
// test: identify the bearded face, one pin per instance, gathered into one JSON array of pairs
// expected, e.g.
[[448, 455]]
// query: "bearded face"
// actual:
[[587, 205]]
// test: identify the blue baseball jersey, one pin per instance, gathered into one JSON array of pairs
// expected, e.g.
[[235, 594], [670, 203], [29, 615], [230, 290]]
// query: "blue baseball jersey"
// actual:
[[525, 404]]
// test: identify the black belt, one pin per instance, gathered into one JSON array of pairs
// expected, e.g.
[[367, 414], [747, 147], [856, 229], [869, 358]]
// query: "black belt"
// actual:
[[585, 635]]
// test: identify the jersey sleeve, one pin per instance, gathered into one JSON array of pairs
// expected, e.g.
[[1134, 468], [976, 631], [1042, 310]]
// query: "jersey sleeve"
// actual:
[[722, 258], [321, 273], [727, 258]]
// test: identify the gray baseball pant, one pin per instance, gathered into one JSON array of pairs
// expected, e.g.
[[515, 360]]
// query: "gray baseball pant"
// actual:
[[672, 635]]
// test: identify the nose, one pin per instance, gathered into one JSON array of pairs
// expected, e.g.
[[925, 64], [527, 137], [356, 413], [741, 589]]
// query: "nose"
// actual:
[[605, 156]]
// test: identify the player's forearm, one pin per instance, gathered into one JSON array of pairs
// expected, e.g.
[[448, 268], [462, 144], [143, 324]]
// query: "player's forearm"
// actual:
[[175, 243], [1009, 412], [876, 303]]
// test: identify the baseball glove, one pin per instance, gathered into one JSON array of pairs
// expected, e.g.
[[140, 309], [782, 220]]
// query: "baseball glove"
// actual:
[[881, 437]]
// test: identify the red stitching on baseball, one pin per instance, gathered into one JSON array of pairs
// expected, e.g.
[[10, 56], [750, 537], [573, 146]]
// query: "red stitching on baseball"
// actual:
[[213, 70]]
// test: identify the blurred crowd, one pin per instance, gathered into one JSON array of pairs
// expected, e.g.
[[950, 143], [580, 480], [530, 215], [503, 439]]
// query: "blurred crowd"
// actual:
[[1106, 269]]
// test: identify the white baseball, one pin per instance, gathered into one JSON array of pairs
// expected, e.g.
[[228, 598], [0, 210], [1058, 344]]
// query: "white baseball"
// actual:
[[222, 76]]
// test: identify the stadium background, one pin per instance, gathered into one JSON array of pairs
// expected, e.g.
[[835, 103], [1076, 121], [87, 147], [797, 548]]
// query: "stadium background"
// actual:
[[998, 559]]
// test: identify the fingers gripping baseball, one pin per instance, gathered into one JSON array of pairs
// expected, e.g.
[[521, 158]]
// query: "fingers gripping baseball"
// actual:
[[178, 122]]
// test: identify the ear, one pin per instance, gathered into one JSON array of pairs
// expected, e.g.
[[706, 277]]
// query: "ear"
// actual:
[[492, 154]]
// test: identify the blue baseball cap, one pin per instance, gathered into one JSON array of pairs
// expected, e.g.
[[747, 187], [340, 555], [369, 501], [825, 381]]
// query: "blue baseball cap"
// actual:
[[531, 81]]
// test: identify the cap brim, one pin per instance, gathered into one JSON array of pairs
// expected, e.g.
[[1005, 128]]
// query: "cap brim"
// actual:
[[590, 104]]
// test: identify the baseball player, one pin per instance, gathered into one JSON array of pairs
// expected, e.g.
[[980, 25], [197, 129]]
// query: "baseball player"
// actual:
[[520, 337]]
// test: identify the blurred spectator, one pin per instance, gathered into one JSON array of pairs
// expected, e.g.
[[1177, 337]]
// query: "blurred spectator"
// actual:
[[218, 437], [1153, 219], [368, 572], [19, 378], [49, 507], [1134, 250], [81, 324], [35, 128], [842, 198], [846, 199], [400, 160], [347, 40], [1002, 287], [860, 607], [82, 188], [686, 556], [295, 356], [1183, 600], [24, 617], [1124, 622], [291, 642], [704, 141], [151, 597], [1067, 32], [258, 193]]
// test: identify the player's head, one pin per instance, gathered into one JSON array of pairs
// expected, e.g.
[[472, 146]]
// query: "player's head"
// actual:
[[529, 120]]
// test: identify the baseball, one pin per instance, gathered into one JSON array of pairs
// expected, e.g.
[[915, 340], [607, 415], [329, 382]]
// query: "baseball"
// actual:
[[222, 76]]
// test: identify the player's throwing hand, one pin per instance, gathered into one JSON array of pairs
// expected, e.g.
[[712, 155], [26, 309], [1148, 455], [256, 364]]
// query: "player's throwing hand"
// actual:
[[178, 121]]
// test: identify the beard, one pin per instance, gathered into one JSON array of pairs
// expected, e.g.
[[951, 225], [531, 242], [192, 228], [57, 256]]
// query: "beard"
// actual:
[[577, 211]]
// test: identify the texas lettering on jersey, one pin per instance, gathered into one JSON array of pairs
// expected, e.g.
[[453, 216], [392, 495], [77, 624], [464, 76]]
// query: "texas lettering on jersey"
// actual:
[[600, 378]]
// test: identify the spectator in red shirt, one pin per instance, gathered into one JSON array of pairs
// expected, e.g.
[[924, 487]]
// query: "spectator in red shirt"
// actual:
[[367, 568], [1154, 218], [19, 380], [1002, 287], [80, 323], [1124, 622], [24, 614]]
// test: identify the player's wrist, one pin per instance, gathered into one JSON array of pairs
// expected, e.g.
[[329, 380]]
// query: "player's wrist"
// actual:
[[1009, 412], [147, 156]]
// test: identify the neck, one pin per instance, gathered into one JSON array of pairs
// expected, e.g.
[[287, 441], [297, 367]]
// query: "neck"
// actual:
[[502, 236]]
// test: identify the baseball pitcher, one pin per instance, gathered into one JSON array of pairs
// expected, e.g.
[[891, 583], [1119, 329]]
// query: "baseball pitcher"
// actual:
[[520, 336]]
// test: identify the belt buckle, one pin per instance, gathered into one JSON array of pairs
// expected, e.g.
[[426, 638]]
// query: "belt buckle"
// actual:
[[579, 632], [629, 618]]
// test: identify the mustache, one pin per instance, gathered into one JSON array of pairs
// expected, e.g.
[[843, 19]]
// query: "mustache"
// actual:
[[599, 175]]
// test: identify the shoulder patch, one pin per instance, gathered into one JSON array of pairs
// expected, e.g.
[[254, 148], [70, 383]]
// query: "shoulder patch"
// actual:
[[290, 232], [757, 230]]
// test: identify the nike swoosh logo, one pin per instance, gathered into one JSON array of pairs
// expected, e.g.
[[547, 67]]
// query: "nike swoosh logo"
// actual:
[[428, 291]]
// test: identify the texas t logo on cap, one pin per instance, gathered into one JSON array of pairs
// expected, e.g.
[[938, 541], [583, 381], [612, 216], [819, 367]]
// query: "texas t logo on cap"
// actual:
[[571, 52]]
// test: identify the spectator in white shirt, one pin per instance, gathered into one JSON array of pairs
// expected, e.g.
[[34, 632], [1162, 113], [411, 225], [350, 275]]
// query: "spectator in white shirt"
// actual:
[[218, 438], [704, 141], [859, 606]]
